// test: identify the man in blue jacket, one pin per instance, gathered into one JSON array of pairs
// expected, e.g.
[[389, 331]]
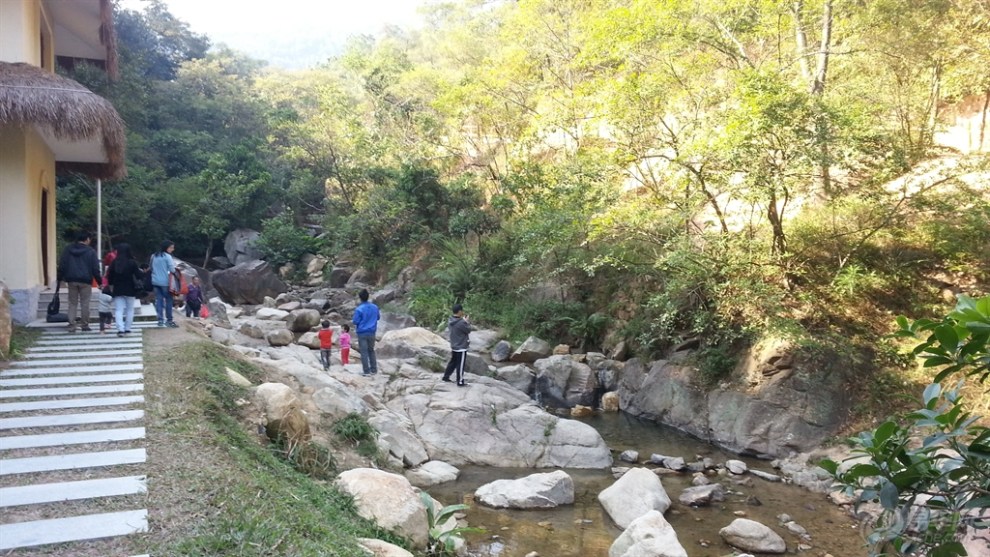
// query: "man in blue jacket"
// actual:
[[78, 267], [365, 321]]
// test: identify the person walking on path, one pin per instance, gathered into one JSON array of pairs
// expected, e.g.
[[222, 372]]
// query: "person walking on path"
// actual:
[[194, 298], [345, 344], [124, 278], [78, 267], [326, 344], [365, 321], [162, 267], [460, 329]]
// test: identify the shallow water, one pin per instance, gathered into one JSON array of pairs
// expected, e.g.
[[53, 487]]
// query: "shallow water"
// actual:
[[584, 529]]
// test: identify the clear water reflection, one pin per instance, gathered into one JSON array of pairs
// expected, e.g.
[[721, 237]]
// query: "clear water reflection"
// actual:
[[584, 530]]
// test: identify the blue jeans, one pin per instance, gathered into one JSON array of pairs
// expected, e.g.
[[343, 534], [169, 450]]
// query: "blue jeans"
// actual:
[[163, 303], [124, 308], [366, 344]]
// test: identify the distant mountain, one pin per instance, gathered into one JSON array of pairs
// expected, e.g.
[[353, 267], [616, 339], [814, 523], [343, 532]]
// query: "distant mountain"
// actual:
[[291, 52]]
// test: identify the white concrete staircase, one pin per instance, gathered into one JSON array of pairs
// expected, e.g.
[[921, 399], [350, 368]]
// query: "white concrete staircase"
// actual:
[[72, 439]]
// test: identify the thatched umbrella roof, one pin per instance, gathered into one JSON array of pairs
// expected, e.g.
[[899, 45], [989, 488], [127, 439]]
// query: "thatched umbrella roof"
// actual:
[[32, 96]]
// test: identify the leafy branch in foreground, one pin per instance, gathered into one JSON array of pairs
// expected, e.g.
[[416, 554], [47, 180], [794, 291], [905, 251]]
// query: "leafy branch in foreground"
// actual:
[[443, 541], [931, 476]]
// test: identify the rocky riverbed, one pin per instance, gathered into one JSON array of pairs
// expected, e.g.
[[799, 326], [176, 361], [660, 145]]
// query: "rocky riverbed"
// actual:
[[449, 441]]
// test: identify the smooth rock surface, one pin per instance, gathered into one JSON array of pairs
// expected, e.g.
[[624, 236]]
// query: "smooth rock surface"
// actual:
[[750, 535], [247, 283], [530, 350], [702, 495], [636, 493], [388, 500], [432, 473], [536, 491], [563, 382], [302, 320], [648, 536]]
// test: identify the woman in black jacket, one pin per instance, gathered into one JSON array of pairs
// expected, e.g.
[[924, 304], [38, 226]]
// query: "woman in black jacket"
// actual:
[[125, 278]]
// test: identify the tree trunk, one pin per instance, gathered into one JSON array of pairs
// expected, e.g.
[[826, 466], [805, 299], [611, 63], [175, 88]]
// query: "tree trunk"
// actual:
[[209, 251], [821, 71], [779, 245], [934, 96], [818, 90], [801, 38], [983, 120]]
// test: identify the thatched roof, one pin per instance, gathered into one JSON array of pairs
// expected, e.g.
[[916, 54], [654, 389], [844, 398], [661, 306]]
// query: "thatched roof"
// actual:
[[31, 96]]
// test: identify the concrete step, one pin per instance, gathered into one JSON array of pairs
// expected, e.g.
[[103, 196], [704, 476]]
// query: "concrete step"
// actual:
[[46, 297], [74, 461], [76, 528], [72, 491]]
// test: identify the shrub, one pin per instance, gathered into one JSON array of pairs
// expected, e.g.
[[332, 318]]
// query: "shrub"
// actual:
[[355, 427], [282, 242]]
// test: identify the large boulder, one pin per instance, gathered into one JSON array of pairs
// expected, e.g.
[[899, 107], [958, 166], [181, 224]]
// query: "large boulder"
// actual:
[[240, 246], [283, 414], [279, 337], [6, 323], [391, 321], [648, 536], [536, 491], [302, 320], [492, 424], [388, 500], [530, 350], [501, 351], [483, 339], [749, 535], [636, 493], [519, 376], [428, 348], [248, 283], [339, 276], [562, 381], [791, 405]]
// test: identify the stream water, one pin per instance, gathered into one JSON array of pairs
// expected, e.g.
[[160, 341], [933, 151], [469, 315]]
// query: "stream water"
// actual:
[[585, 530]]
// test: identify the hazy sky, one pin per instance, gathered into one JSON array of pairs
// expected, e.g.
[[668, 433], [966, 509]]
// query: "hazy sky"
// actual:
[[257, 26]]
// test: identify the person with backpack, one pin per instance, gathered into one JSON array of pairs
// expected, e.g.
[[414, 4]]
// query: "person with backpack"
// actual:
[[162, 269], [124, 279], [78, 267]]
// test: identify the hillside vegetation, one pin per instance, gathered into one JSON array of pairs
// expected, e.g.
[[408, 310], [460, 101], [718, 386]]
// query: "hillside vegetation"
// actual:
[[591, 171]]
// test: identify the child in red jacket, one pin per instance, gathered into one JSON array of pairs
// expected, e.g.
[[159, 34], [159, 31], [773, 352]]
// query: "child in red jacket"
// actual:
[[326, 343]]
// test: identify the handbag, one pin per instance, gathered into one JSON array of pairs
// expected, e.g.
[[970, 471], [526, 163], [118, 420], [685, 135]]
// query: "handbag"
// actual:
[[52, 313], [55, 304]]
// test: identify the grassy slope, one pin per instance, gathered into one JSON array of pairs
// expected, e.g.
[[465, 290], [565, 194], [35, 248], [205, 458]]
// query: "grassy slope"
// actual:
[[215, 488]]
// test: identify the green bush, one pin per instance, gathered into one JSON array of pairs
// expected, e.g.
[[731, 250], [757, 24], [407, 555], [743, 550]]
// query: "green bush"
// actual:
[[714, 364], [355, 427], [282, 241]]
